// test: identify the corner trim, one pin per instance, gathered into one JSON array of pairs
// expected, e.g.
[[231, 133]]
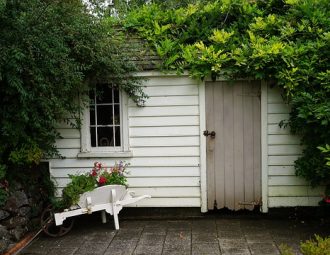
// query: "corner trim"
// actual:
[[264, 146], [202, 147]]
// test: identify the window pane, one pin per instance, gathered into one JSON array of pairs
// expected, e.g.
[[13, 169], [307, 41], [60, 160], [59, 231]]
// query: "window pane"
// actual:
[[104, 94], [117, 134], [105, 136], [104, 115], [92, 115], [93, 137], [117, 115]]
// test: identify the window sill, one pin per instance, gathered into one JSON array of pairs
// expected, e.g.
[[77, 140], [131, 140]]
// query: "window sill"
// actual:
[[97, 154]]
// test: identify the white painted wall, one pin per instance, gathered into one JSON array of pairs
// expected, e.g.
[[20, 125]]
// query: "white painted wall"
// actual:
[[284, 188], [164, 137]]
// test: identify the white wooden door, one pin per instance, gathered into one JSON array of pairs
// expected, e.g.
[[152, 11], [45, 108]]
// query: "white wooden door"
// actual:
[[234, 149]]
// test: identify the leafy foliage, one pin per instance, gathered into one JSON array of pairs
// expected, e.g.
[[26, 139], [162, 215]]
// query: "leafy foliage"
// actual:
[[52, 52], [78, 185], [284, 42]]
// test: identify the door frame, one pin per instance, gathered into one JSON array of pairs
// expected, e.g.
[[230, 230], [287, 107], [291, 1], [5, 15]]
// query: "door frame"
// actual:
[[264, 147]]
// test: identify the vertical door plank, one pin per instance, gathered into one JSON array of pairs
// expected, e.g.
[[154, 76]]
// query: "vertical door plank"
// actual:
[[248, 143], [238, 144], [229, 146], [219, 149], [210, 147]]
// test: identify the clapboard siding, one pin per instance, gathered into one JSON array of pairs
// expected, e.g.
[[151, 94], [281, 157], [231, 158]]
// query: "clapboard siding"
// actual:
[[181, 90], [169, 202], [283, 150], [69, 133], [163, 121], [69, 152], [137, 171], [283, 139], [164, 131], [150, 182], [284, 187], [170, 101], [275, 129], [68, 143], [166, 80], [184, 141], [166, 152], [276, 118], [281, 170], [289, 191], [164, 141], [281, 160], [291, 201], [163, 192], [135, 161], [278, 108], [163, 111]]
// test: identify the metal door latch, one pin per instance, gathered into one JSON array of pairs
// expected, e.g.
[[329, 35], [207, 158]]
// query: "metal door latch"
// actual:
[[207, 133]]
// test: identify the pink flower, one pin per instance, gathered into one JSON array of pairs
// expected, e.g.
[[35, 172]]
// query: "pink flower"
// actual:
[[327, 200], [102, 180]]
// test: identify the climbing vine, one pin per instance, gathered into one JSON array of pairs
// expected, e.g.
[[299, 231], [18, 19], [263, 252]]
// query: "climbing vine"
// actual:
[[286, 42]]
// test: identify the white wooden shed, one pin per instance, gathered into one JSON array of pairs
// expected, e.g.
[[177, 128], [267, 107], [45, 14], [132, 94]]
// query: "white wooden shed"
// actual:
[[250, 159]]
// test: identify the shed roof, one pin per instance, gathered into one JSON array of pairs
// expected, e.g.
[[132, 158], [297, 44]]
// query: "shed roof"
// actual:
[[140, 53]]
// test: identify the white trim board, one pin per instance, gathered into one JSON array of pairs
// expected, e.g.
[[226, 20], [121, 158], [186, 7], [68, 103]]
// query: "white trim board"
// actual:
[[202, 126], [264, 147]]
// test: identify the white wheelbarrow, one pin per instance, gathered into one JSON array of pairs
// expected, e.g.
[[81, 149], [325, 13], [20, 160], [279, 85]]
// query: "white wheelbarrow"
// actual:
[[109, 198]]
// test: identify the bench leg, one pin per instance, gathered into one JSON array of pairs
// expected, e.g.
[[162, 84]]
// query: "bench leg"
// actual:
[[104, 217]]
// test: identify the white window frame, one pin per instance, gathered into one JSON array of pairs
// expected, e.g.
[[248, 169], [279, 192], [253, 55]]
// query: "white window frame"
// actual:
[[87, 151]]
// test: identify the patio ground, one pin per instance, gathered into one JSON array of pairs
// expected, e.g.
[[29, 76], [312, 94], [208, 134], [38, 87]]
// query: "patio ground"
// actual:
[[211, 234]]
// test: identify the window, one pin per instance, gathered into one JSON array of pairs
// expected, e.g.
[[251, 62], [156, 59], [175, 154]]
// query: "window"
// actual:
[[104, 129]]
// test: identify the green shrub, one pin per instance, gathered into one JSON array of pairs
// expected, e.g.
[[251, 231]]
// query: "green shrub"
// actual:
[[52, 54], [317, 246], [3, 185]]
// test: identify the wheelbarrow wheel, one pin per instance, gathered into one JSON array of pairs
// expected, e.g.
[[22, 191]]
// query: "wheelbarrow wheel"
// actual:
[[48, 224]]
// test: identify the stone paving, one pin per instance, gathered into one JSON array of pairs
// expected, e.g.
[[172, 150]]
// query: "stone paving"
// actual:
[[198, 236]]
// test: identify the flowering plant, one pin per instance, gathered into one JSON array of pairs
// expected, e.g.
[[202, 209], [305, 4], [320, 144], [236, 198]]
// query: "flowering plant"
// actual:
[[111, 175], [100, 175]]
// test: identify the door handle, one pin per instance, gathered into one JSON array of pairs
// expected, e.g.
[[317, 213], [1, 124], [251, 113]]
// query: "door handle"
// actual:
[[208, 133]]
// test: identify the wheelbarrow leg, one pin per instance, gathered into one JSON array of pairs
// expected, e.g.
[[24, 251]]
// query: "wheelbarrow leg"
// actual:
[[115, 217], [114, 209], [103, 216]]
